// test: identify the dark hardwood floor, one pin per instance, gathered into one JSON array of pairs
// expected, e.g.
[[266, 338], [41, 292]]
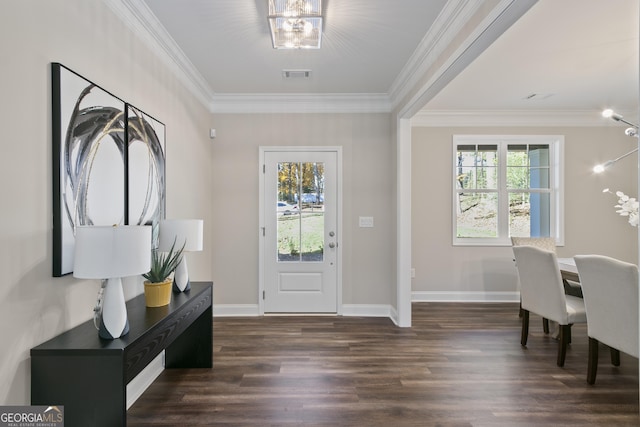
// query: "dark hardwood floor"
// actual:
[[461, 364]]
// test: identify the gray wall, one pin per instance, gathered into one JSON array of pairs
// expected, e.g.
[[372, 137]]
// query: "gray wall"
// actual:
[[591, 224], [368, 190], [216, 180], [85, 36]]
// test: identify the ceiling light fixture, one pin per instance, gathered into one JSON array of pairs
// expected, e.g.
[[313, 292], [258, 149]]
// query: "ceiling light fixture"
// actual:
[[295, 24], [610, 114], [632, 132], [606, 165]]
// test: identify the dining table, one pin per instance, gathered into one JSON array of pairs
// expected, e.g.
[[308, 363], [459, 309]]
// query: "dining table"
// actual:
[[568, 269]]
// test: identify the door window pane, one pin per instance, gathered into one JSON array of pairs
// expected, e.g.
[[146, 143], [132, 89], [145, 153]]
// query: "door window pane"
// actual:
[[288, 237], [301, 217], [312, 236]]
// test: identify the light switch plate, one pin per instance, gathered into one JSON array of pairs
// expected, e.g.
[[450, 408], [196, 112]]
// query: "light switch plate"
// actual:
[[366, 221]]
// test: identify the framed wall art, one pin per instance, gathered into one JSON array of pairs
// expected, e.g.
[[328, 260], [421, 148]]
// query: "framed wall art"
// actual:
[[108, 163], [146, 170], [88, 160]]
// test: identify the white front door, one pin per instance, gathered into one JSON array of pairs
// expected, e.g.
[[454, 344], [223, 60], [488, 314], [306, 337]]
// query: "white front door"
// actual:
[[299, 256]]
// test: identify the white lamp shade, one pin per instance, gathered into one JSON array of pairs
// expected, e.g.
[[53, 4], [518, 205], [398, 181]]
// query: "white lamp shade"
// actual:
[[104, 252], [181, 231]]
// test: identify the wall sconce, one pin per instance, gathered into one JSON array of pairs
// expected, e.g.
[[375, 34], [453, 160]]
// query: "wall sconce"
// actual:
[[187, 232], [110, 253]]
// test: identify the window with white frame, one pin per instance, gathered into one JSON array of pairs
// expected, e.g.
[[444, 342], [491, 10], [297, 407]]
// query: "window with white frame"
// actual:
[[507, 186]]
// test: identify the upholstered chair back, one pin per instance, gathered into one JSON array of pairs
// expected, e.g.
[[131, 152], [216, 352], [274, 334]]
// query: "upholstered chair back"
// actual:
[[542, 291], [610, 290], [547, 243]]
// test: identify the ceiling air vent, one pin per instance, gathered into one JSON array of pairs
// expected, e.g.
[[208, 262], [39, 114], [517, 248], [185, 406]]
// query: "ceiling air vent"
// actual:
[[296, 74]]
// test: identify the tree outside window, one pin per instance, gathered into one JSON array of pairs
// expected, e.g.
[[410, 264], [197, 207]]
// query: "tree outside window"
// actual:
[[506, 186]]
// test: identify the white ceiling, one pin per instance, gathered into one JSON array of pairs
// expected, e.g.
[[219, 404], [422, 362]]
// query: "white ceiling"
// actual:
[[365, 44], [575, 55]]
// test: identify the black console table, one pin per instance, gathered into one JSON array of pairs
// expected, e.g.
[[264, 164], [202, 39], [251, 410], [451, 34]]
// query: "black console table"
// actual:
[[89, 375]]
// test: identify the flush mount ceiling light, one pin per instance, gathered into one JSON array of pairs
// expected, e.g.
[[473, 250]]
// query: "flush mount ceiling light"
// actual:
[[295, 24]]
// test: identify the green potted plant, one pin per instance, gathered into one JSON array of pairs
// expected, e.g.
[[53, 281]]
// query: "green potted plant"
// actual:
[[157, 287]]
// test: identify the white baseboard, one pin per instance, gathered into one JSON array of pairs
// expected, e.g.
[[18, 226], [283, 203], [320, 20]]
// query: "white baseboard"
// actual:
[[235, 310], [380, 310], [364, 310], [394, 316], [430, 296], [367, 310], [143, 380]]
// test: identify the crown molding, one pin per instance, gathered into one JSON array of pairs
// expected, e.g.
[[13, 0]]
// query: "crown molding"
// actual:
[[516, 118], [453, 17], [137, 16], [301, 103], [141, 21], [493, 25]]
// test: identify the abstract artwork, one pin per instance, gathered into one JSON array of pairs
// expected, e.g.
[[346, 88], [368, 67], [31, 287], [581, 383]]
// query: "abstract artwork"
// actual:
[[146, 180], [108, 163]]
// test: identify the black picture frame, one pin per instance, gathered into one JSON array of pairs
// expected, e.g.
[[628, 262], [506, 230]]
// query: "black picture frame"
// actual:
[[89, 160], [108, 163], [146, 182]]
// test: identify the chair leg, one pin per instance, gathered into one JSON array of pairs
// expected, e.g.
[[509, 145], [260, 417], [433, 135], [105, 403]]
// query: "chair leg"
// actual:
[[563, 341], [615, 356], [525, 327], [545, 325], [520, 310], [592, 364]]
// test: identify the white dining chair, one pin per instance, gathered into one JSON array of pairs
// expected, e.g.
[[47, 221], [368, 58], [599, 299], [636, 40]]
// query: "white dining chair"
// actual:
[[542, 293], [610, 291], [547, 243]]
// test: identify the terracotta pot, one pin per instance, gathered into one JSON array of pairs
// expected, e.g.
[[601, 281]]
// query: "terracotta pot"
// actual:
[[157, 294]]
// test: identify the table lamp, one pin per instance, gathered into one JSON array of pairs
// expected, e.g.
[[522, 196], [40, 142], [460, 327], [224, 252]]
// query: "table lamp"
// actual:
[[110, 253], [187, 232]]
